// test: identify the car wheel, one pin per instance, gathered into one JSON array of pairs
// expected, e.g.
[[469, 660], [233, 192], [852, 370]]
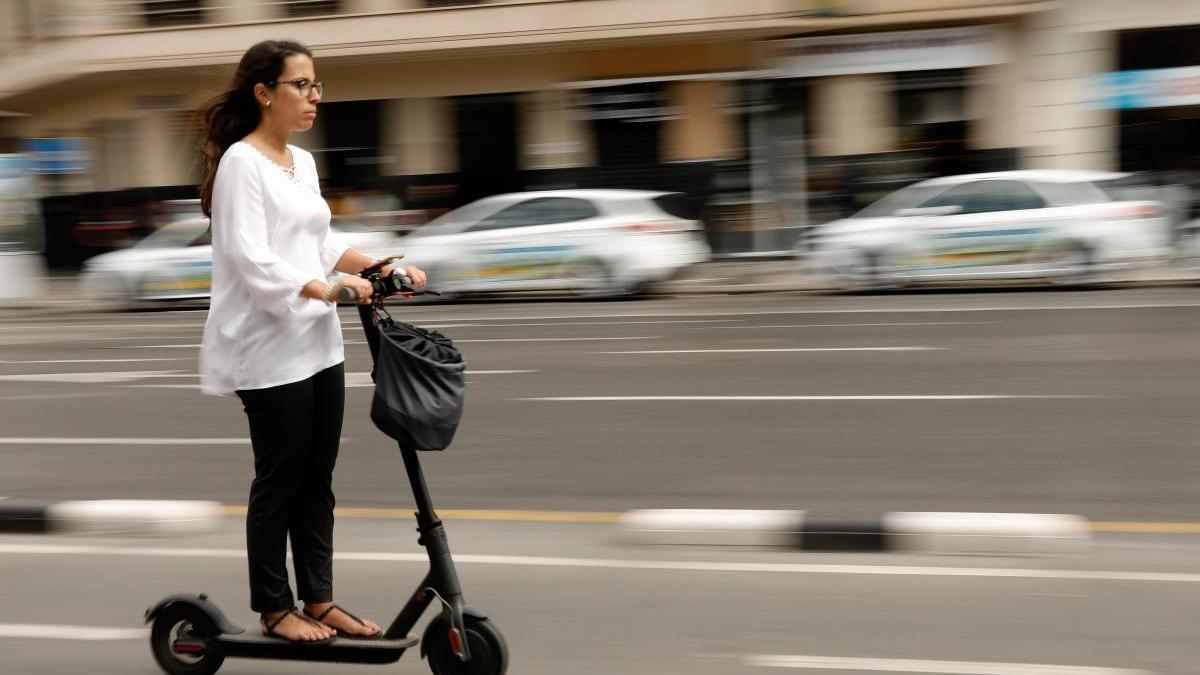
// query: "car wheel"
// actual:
[[591, 278], [865, 272], [1076, 265], [105, 290]]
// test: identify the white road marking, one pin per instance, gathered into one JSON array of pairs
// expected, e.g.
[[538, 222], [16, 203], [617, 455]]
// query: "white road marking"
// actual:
[[358, 328], [925, 666], [91, 378], [54, 397], [364, 379], [570, 339], [626, 564], [582, 323], [50, 440], [60, 326], [876, 397], [851, 325], [873, 310], [64, 632], [770, 350], [352, 379], [165, 358], [197, 345]]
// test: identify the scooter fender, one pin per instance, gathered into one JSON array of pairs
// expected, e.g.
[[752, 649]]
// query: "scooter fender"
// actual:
[[201, 603], [473, 612]]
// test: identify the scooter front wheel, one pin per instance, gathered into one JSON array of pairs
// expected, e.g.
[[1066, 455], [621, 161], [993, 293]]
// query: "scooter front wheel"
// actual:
[[489, 652], [179, 640]]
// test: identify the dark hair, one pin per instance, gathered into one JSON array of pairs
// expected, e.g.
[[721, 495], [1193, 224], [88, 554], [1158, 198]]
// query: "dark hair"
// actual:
[[229, 117]]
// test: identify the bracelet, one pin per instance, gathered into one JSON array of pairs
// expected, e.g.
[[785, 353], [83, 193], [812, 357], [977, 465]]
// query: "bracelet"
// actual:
[[328, 295]]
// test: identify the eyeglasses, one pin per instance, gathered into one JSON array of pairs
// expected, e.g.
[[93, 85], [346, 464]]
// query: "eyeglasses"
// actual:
[[304, 85]]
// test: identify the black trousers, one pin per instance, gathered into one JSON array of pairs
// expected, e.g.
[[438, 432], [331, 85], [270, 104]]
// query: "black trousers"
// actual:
[[294, 429]]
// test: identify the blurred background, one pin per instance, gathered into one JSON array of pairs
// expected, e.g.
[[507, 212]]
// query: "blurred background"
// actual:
[[771, 116], [726, 163]]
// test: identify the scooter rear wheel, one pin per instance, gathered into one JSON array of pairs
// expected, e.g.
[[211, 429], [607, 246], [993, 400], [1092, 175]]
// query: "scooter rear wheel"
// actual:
[[489, 652], [179, 640]]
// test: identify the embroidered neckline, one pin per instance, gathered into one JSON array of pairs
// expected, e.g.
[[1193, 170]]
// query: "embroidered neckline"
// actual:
[[290, 172]]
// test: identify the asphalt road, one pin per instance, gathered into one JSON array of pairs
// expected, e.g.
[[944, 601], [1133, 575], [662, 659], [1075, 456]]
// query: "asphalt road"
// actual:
[[1100, 421], [1059, 402]]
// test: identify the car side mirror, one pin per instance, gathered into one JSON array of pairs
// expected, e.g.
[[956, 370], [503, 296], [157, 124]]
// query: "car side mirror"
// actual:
[[947, 210]]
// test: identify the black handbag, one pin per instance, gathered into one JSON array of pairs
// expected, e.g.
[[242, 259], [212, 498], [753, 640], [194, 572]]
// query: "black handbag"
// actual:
[[420, 383]]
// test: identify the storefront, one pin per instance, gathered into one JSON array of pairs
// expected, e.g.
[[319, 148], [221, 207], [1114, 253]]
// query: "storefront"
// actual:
[[1156, 93], [857, 116]]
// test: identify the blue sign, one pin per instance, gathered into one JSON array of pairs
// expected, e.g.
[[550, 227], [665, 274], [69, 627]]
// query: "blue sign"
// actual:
[[1157, 88], [57, 155]]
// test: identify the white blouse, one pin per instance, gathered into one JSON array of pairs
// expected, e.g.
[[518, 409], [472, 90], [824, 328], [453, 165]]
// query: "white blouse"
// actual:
[[270, 238]]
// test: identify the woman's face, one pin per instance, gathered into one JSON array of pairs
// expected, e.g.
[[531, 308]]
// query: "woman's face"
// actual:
[[293, 100]]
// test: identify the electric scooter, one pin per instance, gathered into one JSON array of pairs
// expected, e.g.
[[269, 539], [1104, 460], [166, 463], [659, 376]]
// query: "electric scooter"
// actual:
[[191, 635]]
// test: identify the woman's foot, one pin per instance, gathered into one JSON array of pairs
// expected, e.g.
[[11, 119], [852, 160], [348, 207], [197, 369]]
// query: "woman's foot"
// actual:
[[291, 625], [345, 623]]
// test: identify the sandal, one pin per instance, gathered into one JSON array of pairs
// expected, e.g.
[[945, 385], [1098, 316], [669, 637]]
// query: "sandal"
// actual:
[[269, 628], [349, 636]]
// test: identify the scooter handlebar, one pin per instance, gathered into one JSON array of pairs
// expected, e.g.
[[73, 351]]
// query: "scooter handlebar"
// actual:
[[396, 283]]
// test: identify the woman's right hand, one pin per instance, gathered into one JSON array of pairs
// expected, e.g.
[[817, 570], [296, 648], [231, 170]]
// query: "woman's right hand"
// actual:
[[362, 287]]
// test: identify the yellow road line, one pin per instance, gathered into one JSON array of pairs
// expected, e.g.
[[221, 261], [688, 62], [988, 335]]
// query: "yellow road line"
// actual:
[[1147, 528], [607, 518]]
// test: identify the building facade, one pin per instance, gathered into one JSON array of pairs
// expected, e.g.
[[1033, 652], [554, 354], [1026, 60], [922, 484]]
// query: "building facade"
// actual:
[[771, 114]]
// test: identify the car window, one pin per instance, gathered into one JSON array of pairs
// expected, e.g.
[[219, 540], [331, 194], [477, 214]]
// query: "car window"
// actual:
[[989, 196], [1020, 196], [541, 211], [567, 209], [675, 204], [460, 218]]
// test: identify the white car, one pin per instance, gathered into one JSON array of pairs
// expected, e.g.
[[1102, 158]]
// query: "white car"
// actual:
[[591, 242], [175, 262], [1051, 224]]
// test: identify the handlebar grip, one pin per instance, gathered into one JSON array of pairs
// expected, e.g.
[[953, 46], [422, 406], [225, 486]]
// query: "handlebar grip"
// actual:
[[346, 294]]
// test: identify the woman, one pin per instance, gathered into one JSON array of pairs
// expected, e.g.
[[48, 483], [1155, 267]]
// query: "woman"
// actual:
[[273, 337]]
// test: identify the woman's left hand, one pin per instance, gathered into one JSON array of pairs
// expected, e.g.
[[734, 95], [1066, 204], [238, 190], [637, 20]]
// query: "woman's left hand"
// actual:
[[415, 274]]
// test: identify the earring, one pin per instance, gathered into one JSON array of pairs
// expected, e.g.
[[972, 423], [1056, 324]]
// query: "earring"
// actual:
[[268, 104]]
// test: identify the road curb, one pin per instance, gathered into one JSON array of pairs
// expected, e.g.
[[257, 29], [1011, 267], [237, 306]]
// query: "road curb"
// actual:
[[901, 531], [110, 516]]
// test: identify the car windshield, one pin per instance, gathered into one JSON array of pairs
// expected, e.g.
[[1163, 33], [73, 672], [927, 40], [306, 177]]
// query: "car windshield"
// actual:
[[458, 219], [175, 235], [904, 198]]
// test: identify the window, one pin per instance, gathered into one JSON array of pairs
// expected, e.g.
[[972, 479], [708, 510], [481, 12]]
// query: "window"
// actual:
[[303, 8], [565, 210], [989, 196], [544, 211], [163, 13], [1021, 197]]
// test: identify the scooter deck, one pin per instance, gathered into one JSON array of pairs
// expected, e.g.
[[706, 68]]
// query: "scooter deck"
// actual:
[[259, 646]]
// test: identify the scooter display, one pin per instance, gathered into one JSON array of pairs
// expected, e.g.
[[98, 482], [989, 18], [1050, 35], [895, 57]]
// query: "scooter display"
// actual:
[[190, 635]]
